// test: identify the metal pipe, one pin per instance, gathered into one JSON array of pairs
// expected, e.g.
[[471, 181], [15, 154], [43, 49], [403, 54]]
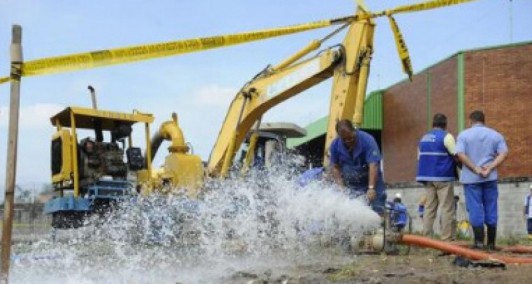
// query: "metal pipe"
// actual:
[[75, 167], [313, 45], [171, 131], [96, 122], [93, 97], [148, 149]]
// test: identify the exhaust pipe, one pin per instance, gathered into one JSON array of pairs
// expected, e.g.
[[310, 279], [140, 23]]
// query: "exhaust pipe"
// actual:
[[96, 122]]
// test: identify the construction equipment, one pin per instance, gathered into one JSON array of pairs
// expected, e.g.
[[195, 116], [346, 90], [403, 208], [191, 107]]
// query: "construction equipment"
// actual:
[[269, 147], [91, 171], [96, 174], [348, 63], [97, 177], [90, 175]]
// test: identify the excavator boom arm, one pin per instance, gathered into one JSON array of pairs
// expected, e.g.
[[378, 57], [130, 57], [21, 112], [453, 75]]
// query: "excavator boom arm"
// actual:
[[346, 64], [350, 81]]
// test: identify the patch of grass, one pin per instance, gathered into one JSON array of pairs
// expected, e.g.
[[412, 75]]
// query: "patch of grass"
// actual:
[[345, 273], [26, 225], [512, 240]]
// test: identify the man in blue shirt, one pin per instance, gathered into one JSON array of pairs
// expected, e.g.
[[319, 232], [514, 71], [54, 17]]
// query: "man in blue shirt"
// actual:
[[481, 150], [355, 160]]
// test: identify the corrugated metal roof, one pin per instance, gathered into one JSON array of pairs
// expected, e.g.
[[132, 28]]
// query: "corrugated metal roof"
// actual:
[[315, 129], [372, 120]]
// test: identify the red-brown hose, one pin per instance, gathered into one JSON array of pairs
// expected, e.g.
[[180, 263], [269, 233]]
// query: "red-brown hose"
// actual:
[[457, 250]]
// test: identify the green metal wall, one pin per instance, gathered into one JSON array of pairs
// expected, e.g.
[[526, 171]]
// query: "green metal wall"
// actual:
[[372, 120], [373, 111]]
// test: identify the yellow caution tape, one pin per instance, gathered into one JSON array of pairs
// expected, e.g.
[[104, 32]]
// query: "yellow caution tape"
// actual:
[[426, 6], [399, 41], [401, 48], [410, 8], [143, 52]]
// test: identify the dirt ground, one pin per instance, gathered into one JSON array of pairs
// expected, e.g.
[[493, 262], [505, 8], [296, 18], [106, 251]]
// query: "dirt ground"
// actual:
[[419, 266]]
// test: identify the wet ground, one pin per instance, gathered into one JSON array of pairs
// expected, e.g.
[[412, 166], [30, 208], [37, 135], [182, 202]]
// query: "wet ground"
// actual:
[[321, 265], [420, 266], [243, 232]]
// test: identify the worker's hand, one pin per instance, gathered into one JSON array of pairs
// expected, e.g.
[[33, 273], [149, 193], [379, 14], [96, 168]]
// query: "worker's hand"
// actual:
[[371, 194], [486, 170], [478, 171]]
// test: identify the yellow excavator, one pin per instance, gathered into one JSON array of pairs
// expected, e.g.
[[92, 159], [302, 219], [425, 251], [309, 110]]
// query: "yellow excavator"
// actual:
[[90, 174], [348, 64]]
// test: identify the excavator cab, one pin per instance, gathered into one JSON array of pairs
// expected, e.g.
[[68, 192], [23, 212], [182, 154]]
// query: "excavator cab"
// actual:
[[270, 145], [90, 174]]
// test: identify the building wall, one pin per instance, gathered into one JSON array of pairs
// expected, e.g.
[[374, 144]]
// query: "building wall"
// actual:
[[511, 199], [408, 108], [498, 81]]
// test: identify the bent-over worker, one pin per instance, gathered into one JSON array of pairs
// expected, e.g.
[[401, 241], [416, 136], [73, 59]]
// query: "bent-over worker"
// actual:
[[355, 165]]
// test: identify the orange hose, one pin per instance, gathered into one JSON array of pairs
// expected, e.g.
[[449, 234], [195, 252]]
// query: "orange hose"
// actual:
[[457, 250], [511, 249], [518, 249]]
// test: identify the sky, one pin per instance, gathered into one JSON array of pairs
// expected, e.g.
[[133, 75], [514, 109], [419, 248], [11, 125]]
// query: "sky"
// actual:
[[200, 86]]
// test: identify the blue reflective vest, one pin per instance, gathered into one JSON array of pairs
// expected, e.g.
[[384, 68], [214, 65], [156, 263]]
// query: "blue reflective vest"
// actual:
[[435, 162]]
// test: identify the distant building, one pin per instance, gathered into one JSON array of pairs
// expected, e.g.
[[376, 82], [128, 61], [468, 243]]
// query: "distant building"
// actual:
[[44, 197], [496, 80]]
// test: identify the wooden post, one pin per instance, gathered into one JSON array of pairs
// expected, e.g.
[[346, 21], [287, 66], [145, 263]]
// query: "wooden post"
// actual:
[[11, 163]]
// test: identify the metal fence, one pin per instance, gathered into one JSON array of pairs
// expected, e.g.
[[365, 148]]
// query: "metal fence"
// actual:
[[29, 222]]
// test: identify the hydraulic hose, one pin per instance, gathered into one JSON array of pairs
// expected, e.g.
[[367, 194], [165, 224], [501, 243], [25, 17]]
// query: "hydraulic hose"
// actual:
[[457, 250]]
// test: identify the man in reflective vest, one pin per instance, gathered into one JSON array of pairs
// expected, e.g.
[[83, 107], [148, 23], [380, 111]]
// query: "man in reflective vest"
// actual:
[[355, 165], [436, 170]]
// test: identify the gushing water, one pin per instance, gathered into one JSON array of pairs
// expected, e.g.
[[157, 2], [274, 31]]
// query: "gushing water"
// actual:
[[263, 222]]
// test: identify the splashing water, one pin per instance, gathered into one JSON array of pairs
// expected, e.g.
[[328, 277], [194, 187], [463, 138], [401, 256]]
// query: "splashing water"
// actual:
[[263, 222]]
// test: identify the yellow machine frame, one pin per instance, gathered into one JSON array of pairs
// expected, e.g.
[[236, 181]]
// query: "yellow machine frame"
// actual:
[[83, 118]]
